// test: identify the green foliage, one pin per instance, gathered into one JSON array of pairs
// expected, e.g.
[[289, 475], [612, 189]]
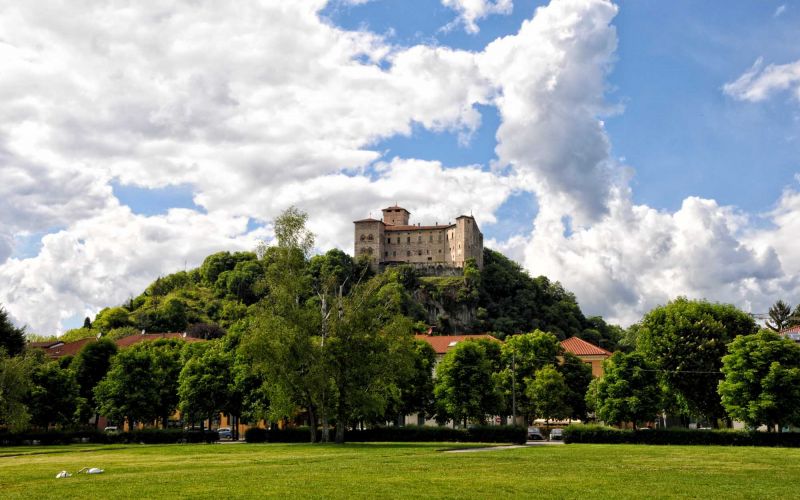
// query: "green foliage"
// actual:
[[205, 383], [577, 375], [548, 393], [77, 334], [687, 339], [610, 435], [762, 380], [526, 354], [112, 318], [514, 302], [781, 315], [628, 392], [291, 231], [465, 387], [15, 382], [118, 333], [90, 366], [416, 391], [12, 339], [53, 395]]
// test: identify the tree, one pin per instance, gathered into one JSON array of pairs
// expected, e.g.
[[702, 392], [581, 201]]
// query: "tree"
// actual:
[[207, 331], [628, 392], [12, 339], [762, 380], [416, 391], [110, 318], [205, 383], [53, 396], [781, 315], [367, 352], [548, 393], [522, 356], [465, 388], [142, 383], [90, 366], [14, 386], [577, 375], [687, 339], [283, 340], [129, 391]]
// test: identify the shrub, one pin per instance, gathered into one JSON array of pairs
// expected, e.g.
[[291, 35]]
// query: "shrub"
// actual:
[[255, 435], [610, 435]]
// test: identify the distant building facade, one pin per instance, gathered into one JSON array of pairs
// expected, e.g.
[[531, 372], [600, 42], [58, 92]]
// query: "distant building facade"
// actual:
[[439, 249]]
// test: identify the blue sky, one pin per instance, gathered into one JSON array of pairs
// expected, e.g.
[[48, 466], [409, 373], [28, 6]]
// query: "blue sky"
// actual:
[[635, 150]]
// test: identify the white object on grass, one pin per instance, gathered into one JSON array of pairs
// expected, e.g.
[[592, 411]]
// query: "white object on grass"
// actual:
[[63, 474], [92, 470]]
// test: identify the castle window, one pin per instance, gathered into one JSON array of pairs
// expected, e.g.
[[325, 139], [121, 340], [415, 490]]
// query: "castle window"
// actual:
[[369, 237], [363, 237], [408, 239], [440, 250], [419, 252], [385, 254], [394, 254], [388, 241], [408, 253], [429, 252], [419, 239], [430, 239], [398, 240], [369, 251]]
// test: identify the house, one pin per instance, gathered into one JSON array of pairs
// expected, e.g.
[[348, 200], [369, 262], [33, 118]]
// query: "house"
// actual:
[[791, 333], [443, 343], [588, 353], [56, 349]]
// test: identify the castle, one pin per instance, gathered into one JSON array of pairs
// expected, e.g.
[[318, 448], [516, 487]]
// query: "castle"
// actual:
[[440, 249]]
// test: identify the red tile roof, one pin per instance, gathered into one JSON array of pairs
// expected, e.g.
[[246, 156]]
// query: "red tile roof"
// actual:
[[68, 348], [580, 347], [791, 329], [443, 343], [58, 349], [368, 219]]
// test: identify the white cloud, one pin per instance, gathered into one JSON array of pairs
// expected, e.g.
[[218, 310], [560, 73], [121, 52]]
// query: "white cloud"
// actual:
[[260, 105], [759, 82], [471, 11], [780, 10], [105, 259]]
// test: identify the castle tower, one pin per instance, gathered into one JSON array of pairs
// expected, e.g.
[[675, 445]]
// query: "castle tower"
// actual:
[[395, 216]]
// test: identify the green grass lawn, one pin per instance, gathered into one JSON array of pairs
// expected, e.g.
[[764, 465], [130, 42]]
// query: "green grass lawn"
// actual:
[[400, 471]]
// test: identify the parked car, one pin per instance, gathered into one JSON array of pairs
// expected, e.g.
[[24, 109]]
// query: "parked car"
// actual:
[[556, 435], [534, 434], [111, 429], [225, 433]]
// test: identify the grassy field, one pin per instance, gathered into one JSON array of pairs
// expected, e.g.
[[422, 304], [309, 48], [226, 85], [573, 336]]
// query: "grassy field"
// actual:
[[400, 471]]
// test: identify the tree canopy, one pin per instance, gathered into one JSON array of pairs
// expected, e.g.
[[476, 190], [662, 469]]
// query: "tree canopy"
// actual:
[[12, 339]]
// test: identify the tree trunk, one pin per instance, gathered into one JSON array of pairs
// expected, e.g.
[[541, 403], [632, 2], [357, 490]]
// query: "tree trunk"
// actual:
[[164, 421], [312, 423], [340, 425]]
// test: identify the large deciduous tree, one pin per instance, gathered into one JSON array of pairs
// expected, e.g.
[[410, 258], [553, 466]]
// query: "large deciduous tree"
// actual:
[[522, 356], [628, 392], [548, 394], [687, 339], [53, 396], [465, 388], [205, 384], [577, 375], [762, 380], [90, 366]]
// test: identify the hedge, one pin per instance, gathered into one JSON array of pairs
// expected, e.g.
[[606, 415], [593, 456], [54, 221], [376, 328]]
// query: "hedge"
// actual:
[[610, 435], [479, 434], [146, 436]]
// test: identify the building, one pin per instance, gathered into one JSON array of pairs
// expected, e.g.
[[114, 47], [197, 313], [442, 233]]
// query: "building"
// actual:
[[791, 333], [56, 349], [588, 353], [440, 249]]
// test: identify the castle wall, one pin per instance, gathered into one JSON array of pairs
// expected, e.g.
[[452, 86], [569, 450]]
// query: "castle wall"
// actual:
[[369, 237], [431, 249]]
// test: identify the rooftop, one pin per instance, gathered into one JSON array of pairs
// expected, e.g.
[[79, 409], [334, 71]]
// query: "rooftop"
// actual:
[[580, 347], [443, 343], [59, 349]]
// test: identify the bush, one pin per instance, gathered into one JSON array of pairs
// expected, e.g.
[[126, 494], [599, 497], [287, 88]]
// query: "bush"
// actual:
[[145, 436], [610, 435], [255, 435], [479, 434]]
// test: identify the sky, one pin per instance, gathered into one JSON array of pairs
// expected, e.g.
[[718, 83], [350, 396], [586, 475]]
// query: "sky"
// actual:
[[635, 151]]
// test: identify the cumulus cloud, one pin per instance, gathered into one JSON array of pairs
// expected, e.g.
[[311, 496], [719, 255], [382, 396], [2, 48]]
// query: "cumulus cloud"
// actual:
[[262, 105], [105, 259], [759, 83], [471, 11]]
